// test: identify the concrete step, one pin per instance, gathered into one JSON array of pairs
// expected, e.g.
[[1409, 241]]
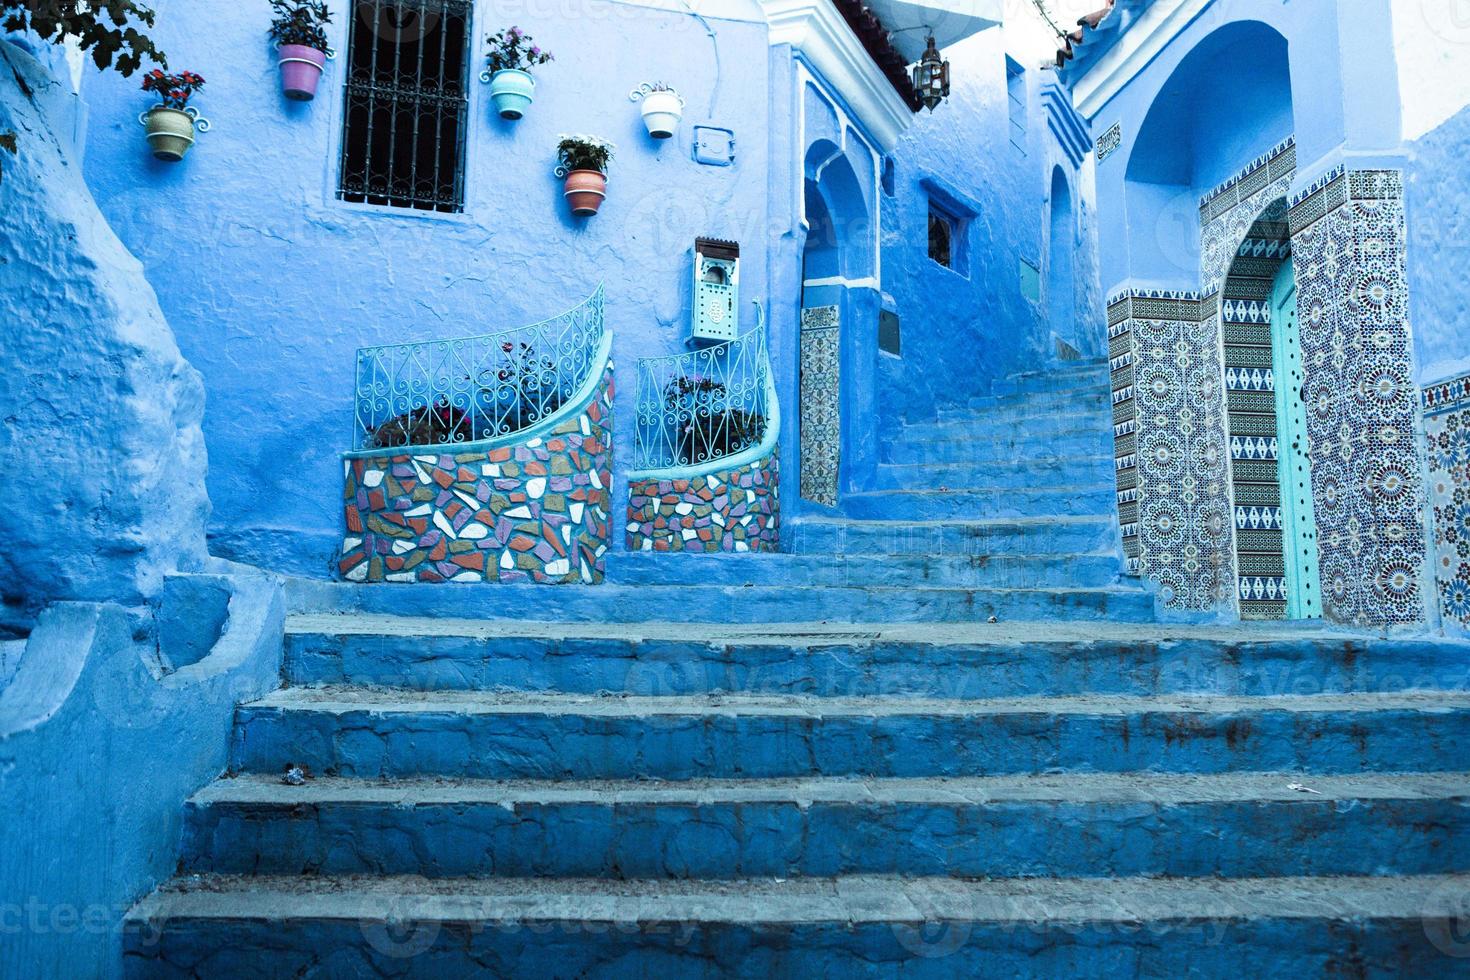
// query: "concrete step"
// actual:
[[1053, 380], [725, 603], [946, 446], [375, 733], [950, 660], [889, 927], [980, 503], [972, 536], [972, 571], [1040, 470], [1086, 403], [1078, 825]]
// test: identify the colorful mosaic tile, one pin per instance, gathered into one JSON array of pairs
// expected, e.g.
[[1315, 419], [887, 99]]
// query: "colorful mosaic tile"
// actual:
[[533, 512], [731, 510], [821, 419], [1348, 241], [1448, 429]]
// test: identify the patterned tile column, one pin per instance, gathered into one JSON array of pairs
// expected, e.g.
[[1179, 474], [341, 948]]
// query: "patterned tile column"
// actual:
[[1447, 422], [1348, 240], [1169, 433], [821, 418]]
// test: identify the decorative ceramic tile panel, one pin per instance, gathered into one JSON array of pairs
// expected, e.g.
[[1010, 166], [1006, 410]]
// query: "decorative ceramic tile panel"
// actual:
[[821, 418], [1171, 467], [1447, 423], [533, 512], [1348, 239], [1250, 395], [731, 510]]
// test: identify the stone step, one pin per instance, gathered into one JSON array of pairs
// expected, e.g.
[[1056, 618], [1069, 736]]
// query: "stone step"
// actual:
[[950, 660], [725, 603], [1040, 470], [1053, 381], [1077, 825], [868, 926], [1079, 500], [1019, 535], [950, 447], [1083, 404], [375, 733], [972, 571]]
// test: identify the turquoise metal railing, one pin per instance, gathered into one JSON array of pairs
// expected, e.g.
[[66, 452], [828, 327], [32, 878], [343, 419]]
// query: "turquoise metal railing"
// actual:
[[475, 388], [704, 405]]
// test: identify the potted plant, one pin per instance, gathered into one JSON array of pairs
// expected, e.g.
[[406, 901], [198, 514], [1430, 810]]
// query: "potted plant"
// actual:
[[170, 124], [299, 31], [707, 426], [662, 108], [512, 56], [584, 162]]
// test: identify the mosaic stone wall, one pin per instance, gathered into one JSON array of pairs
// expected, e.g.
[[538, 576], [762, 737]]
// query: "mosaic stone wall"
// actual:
[[732, 510], [533, 512], [821, 419], [1169, 438], [1447, 422], [1348, 243]]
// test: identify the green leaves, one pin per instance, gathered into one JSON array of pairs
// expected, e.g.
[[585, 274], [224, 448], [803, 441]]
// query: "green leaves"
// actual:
[[109, 29]]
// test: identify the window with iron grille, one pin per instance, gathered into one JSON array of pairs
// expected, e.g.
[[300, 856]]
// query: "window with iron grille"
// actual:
[[407, 105]]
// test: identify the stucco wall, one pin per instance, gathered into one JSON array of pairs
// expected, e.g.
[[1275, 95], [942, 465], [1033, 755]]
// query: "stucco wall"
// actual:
[[1437, 200], [961, 330], [103, 456], [272, 284]]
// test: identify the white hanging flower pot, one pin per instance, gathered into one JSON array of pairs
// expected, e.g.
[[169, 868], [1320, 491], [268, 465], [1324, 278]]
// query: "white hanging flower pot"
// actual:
[[662, 108]]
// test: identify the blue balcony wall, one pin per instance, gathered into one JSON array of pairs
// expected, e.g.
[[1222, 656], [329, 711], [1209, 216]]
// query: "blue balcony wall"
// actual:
[[272, 284]]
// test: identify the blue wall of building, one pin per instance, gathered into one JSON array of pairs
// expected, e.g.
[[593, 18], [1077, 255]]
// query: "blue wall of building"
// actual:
[[272, 284], [963, 327], [1438, 203]]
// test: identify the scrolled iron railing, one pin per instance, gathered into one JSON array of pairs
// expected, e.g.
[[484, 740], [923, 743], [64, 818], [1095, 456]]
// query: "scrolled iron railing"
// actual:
[[446, 392], [703, 406]]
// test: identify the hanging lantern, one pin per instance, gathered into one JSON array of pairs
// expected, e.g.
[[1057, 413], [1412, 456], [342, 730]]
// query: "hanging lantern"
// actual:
[[931, 77]]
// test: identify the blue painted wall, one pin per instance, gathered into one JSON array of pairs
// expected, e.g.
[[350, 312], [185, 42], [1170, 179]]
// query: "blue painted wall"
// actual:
[[1438, 202], [272, 285], [101, 444], [961, 327]]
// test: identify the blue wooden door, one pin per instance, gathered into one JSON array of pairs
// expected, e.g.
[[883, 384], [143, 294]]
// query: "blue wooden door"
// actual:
[[1298, 521]]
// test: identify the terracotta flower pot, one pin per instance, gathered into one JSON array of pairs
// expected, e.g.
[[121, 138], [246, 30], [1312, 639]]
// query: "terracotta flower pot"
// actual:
[[170, 133], [301, 70], [585, 190]]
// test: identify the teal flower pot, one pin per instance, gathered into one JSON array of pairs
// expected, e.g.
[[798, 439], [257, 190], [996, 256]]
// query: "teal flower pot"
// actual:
[[512, 91]]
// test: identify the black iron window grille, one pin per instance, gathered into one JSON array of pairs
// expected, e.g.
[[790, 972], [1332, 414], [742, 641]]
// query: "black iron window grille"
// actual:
[[407, 104]]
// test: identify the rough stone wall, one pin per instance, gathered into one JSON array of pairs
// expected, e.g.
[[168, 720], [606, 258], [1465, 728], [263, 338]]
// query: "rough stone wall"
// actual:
[[731, 510], [537, 511], [102, 450]]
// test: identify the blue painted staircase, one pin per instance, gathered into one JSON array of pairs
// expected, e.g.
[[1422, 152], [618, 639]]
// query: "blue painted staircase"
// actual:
[[830, 765]]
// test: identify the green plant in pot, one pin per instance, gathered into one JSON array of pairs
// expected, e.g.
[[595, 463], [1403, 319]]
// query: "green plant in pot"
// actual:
[[584, 161], [511, 57], [171, 124], [299, 30]]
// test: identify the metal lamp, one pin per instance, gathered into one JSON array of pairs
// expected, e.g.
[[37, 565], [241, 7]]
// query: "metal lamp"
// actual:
[[931, 77]]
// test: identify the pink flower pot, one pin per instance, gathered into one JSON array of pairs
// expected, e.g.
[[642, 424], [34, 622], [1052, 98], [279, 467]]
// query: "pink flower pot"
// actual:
[[301, 70], [585, 190]]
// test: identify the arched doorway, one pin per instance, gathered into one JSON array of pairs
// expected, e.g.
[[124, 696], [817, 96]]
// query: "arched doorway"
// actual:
[[1271, 484], [837, 291], [1061, 286]]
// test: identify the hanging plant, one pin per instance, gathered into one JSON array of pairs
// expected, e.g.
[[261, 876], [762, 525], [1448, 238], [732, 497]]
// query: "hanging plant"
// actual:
[[508, 70], [171, 123], [584, 161], [299, 31], [662, 108]]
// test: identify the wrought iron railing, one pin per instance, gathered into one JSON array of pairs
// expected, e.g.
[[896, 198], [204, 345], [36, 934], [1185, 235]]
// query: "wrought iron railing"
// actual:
[[703, 406], [475, 388]]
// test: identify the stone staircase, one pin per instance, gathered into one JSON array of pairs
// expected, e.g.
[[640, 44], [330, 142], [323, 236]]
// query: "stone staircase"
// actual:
[[828, 764]]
